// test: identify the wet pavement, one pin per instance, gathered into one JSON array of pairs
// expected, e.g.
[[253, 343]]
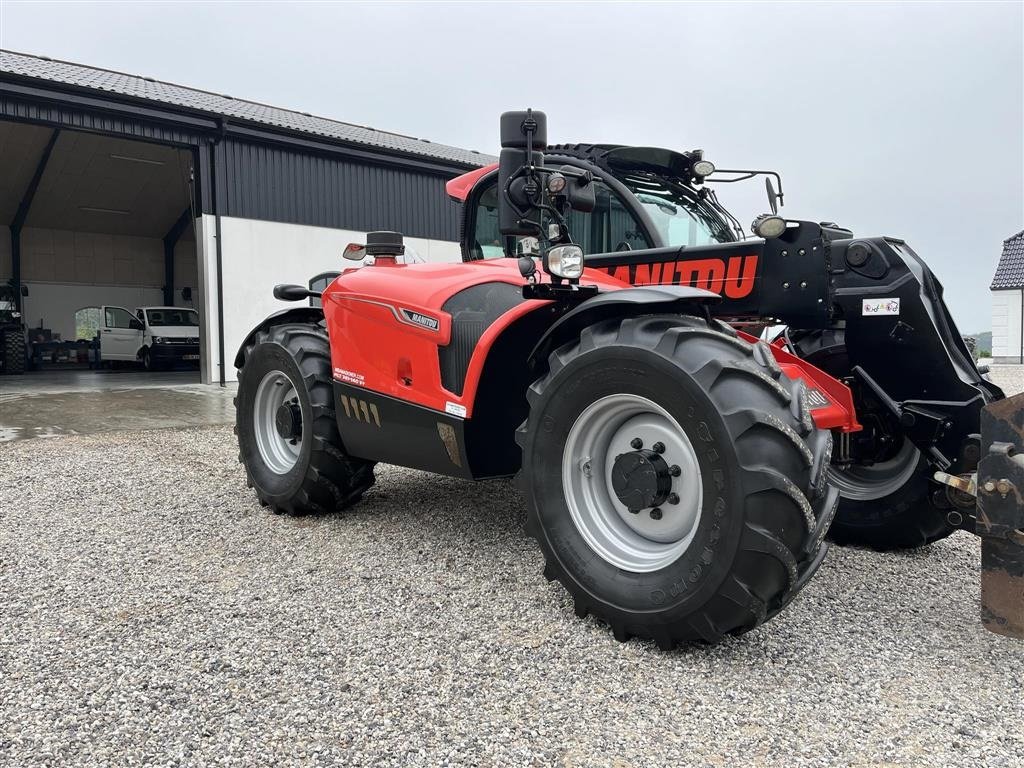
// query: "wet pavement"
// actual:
[[50, 404]]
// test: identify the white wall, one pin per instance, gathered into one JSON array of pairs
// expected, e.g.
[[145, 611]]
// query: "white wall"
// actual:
[[256, 256], [60, 256], [1006, 319]]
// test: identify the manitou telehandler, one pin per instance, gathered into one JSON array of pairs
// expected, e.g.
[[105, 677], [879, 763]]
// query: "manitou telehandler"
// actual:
[[608, 339]]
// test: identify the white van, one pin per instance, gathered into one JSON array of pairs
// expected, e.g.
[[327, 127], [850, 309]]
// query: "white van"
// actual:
[[155, 336]]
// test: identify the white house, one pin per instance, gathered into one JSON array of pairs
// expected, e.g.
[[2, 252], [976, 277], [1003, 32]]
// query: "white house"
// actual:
[[1008, 303]]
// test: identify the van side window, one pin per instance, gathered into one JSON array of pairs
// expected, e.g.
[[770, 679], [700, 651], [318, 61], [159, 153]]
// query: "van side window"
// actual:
[[115, 317]]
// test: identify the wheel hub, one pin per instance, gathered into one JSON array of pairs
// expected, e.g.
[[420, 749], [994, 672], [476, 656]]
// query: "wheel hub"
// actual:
[[632, 482], [288, 420], [277, 422], [641, 479]]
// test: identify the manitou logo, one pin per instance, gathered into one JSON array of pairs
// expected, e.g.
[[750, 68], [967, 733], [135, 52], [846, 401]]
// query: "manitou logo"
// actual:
[[733, 277], [420, 319]]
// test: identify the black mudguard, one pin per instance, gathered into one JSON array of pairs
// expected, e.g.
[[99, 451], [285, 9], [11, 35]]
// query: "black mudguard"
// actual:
[[644, 300], [901, 339], [291, 315]]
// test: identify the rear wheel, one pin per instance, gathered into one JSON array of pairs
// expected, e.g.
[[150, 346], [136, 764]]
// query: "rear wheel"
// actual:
[[288, 437], [14, 352], [884, 503], [674, 479]]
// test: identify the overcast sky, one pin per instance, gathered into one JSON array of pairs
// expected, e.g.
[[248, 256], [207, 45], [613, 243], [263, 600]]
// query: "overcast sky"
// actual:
[[897, 119]]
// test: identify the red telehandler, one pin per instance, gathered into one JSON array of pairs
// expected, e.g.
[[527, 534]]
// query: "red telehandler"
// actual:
[[690, 410]]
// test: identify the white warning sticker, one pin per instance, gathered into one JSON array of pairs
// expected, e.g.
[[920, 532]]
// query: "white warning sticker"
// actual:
[[880, 307], [455, 409]]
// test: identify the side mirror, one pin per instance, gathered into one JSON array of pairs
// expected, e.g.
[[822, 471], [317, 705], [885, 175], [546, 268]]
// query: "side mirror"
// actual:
[[286, 292], [524, 137], [354, 252], [186, 294], [24, 291], [773, 196]]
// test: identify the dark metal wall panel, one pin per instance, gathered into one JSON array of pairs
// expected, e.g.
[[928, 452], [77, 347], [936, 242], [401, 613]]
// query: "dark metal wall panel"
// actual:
[[74, 118], [266, 182]]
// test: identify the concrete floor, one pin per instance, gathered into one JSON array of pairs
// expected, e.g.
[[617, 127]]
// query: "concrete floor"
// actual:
[[52, 403], [48, 404]]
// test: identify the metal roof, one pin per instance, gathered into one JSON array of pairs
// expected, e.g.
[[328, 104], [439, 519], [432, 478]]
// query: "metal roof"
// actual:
[[1010, 270], [194, 100]]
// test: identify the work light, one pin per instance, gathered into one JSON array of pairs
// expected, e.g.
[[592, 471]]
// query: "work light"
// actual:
[[768, 225], [703, 168]]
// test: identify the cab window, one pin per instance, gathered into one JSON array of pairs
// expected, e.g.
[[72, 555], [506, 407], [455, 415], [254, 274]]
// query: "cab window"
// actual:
[[609, 227]]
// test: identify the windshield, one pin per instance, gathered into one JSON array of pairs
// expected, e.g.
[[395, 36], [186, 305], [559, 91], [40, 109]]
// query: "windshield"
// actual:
[[679, 217], [173, 317]]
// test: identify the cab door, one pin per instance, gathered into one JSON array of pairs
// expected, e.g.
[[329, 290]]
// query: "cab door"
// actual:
[[120, 334]]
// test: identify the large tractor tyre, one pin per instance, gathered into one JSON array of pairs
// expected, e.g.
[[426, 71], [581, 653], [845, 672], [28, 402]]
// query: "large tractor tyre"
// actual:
[[674, 479], [14, 352], [885, 505], [285, 422]]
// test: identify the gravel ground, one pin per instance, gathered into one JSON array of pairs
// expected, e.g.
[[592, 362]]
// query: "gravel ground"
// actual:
[[152, 613]]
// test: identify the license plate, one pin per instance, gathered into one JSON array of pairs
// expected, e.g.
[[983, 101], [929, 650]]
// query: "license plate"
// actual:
[[190, 357]]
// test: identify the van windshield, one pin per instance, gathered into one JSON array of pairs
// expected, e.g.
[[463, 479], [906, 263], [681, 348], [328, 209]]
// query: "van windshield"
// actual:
[[164, 317]]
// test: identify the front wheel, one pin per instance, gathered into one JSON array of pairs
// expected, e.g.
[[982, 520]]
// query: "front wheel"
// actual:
[[288, 436], [674, 479]]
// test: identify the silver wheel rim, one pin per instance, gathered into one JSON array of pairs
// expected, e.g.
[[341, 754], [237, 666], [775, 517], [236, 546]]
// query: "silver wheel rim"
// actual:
[[278, 452], [635, 542], [867, 483]]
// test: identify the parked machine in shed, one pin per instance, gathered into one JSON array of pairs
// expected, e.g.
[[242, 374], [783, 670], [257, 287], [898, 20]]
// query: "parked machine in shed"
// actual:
[[605, 340], [12, 331]]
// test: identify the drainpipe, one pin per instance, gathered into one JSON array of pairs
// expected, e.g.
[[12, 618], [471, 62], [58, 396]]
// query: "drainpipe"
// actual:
[[215, 173], [1020, 357]]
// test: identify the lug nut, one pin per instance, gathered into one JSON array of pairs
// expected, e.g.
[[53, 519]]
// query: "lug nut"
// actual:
[[656, 514], [634, 511], [675, 471], [636, 443], [673, 498], [658, 447]]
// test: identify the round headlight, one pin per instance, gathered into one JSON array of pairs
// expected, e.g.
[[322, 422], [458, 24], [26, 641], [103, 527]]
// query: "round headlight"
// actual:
[[768, 225], [564, 261], [158, 339], [703, 168], [556, 183]]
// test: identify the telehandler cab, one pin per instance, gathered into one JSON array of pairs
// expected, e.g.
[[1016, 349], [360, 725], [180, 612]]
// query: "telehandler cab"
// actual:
[[607, 341]]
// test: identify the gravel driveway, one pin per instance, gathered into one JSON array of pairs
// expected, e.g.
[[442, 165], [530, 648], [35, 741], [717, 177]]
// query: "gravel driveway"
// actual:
[[152, 613]]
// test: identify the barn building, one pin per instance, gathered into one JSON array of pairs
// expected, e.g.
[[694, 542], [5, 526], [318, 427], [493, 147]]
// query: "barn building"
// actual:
[[121, 190]]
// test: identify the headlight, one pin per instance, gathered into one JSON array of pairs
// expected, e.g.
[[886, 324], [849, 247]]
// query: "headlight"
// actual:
[[768, 225], [158, 339], [564, 261]]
